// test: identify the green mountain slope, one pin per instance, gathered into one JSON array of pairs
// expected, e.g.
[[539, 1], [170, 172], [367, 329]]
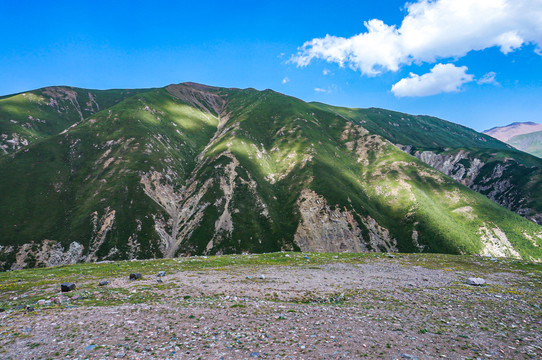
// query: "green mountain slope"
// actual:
[[33, 115], [530, 143], [192, 169], [416, 130], [507, 176]]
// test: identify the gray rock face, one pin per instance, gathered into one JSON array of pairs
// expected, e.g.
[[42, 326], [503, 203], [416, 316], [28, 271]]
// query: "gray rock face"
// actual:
[[475, 281], [452, 165], [324, 229], [49, 253]]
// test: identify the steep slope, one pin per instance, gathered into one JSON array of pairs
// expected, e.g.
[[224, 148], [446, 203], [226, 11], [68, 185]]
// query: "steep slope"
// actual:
[[33, 115], [509, 177], [505, 133], [191, 169], [530, 143]]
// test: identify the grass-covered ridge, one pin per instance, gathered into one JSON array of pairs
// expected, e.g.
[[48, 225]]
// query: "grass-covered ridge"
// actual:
[[190, 169]]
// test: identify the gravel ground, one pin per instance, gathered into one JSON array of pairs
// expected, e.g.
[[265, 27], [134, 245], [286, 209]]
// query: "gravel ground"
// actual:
[[378, 309]]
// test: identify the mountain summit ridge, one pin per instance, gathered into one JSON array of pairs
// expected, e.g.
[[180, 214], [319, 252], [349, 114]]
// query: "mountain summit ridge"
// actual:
[[524, 136], [192, 169], [505, 133]]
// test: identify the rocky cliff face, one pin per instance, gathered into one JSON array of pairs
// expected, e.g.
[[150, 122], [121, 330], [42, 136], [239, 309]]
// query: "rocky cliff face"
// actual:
[[496, 179], [325, 230]]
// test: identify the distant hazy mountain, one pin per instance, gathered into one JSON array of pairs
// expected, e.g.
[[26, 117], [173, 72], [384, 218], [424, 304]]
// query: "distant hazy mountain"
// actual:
[[524, 136], [530, 143], [190, 169], [505, 133]]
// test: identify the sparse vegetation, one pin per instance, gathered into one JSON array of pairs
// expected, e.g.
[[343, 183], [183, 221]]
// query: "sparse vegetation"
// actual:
[[351, 303]]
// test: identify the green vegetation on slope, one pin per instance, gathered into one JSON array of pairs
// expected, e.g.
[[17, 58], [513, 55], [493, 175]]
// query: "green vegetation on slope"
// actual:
[[507, 176], [191, 169], [34, 115], [530, 143]]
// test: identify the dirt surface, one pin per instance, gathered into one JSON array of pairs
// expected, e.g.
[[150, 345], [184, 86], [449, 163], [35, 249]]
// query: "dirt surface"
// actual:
[[381, 308]]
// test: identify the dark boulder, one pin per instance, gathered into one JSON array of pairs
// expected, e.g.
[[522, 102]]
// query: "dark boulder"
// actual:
[[67, 287], [135, 276]]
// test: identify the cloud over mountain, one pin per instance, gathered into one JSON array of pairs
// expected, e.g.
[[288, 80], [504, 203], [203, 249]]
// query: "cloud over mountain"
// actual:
[[430, 31], [442, 78]]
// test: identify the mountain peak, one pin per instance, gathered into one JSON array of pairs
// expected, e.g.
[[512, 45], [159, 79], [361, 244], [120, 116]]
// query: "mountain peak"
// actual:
[[195, 169], [504, 133]]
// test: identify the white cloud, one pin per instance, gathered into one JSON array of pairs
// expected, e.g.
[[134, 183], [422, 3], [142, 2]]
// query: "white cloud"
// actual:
[[326, 72], [442, 78], [320, 90], [432, 30], [285, 80], [488, 78]]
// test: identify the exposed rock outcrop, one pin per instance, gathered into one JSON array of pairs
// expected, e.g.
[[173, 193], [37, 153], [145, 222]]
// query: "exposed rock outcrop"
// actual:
[[460, 166], [47, 253], [183, 208], [334, 230], [492, 179]]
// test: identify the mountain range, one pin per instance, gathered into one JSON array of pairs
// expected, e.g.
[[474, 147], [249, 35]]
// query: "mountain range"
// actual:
[[93, 175], [524, 136]]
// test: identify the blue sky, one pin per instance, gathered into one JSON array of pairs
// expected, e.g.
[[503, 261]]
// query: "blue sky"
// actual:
[[127, 44]]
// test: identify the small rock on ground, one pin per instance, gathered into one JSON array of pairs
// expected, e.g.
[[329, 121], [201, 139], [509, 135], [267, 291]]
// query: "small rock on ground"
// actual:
[[135, 276], [475, 281]]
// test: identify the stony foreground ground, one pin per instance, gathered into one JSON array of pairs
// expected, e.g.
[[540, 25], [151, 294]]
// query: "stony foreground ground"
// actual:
[[283, 305]]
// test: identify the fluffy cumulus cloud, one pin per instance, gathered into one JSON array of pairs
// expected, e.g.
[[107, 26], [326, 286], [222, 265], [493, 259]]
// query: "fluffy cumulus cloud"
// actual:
[[441, 78], [430, 31], [285, 80]]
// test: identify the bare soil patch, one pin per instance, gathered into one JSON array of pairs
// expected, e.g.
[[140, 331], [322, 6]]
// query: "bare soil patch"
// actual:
[[377, 308]]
